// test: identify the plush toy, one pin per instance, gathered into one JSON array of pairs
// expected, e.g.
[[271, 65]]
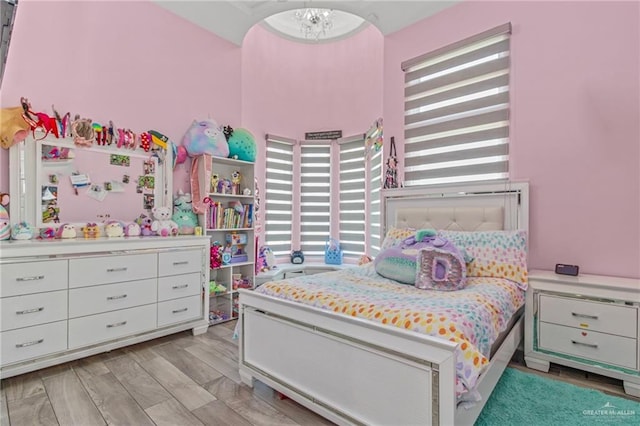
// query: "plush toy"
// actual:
[[205, 137], [47, 233], [267, 259], [144, 222], [132, 229], [163, 225], [242, 145], [113, 228], [22, 231], [409, 264], [215, 255], [297, 257], [183, 215], [66, 230], [91, 230]]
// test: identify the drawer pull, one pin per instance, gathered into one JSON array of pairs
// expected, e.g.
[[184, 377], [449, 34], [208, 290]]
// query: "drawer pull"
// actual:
[[176, 287], [25, 344], [180, 263], [122, 296], [117, 324], [116, 269], [30, 311], [589, 345], [595, 317], [35, 278], [177, 311]]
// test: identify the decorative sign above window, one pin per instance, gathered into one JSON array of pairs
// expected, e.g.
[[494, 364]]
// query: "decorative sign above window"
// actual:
[[329, 134]]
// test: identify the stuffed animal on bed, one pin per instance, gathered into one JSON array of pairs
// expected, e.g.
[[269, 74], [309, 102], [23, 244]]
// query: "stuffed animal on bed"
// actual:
[[425, 260], [205, 137]]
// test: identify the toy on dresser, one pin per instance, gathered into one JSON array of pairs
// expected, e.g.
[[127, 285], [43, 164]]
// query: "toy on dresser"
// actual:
[[22, 231], [163, 225], [66, 230], [144, 222], [183, 214], [114, 228], [90, 230], [132, 229]]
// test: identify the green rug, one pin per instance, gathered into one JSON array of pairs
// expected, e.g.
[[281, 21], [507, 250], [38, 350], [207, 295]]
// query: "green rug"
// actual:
[[528, 399]]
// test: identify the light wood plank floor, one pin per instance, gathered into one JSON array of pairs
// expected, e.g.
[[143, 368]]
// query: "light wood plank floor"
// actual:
[[175, 380]]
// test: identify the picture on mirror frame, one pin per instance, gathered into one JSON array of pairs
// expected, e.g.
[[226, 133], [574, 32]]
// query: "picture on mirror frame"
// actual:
[[50, 212], [149, 167], [120, 160], [125, 179], [147, 182], [148, 201]]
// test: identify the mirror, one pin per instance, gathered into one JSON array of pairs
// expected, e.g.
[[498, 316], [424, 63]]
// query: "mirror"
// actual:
[[59, 182]]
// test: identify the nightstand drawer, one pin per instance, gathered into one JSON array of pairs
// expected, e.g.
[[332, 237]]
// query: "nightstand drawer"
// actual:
[[588, 315], [33, 309], [111, 269], [612, 350], [33, 277]]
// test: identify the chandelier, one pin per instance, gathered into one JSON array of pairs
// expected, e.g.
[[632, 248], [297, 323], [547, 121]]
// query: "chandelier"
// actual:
[[314, 22]]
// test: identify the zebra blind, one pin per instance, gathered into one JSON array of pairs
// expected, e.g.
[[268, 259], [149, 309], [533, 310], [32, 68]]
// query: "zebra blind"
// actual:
[[353, 188], [373, 214], [315, 197], [457, 111], [279, 194]]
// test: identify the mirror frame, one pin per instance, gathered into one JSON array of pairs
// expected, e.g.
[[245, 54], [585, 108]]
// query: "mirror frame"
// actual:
[[25, 178]]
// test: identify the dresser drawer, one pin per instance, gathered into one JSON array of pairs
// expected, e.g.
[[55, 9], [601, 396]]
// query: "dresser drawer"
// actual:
[[31, 342], [179, 262], [111, 269], [178, 286], [110, 297], [595, 316], [179, 310], [33, 309], [111, 325], [32, 277], [612, 350]]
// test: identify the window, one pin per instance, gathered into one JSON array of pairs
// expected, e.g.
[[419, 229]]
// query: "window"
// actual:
[[315, 197], [373, 214], [352, 196], [457, 111], [310, 163], [279, 195]]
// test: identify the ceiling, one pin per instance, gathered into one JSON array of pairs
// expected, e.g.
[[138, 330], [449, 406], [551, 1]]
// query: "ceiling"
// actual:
[[232, 19]]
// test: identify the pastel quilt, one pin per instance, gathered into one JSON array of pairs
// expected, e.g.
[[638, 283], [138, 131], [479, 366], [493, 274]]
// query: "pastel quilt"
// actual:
[[472, 317]]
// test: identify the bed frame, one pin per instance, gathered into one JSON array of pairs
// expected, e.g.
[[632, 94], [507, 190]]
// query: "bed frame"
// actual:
[[354, 371]]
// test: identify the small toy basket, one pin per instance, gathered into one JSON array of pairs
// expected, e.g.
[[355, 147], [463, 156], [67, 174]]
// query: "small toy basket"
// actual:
[[332, 252]]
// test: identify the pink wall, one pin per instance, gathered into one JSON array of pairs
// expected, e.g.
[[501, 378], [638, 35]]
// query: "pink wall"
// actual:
[[574, 130], [131, 62], [290, 88]]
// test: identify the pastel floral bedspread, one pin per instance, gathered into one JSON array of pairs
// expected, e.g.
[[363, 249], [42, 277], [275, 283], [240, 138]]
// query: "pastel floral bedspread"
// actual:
[[472, 317]]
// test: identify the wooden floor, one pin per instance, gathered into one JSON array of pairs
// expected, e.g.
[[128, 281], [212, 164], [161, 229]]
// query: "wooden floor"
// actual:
[[176, 380]]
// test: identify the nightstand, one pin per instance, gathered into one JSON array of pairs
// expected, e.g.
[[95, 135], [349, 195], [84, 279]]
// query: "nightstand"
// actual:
[[589, 322]]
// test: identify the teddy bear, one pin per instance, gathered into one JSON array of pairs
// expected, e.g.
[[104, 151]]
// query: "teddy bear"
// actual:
[[162, 224]]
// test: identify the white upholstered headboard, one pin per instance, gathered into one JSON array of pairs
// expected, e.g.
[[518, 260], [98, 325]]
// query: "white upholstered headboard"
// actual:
[[469, 207]]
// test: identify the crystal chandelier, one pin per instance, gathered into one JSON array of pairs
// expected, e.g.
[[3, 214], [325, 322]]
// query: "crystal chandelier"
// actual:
[[314, 22]]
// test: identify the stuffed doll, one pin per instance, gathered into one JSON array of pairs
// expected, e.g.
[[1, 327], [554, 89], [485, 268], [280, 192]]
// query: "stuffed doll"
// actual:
[[66, 230], [144, 222], [242, 145], [132, 229], [162, 224], [113, 228], [5, 224], [22, 231]]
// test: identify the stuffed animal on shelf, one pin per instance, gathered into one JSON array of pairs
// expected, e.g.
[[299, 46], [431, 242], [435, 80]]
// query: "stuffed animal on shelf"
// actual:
[[242, 145], [132, 229], [205, 137], [22, 231], [215, 255], [113, 228], [162, 224], [66, 230], [183, 215]]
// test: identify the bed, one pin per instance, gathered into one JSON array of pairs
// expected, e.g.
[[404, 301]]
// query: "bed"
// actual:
[[354, 369]]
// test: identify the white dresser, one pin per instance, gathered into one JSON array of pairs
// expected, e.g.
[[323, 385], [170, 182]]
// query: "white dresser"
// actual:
[[588, 322], [67, 299]]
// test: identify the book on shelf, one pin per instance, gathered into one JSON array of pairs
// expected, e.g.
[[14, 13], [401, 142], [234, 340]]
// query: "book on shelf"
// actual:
[[232, 216]]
